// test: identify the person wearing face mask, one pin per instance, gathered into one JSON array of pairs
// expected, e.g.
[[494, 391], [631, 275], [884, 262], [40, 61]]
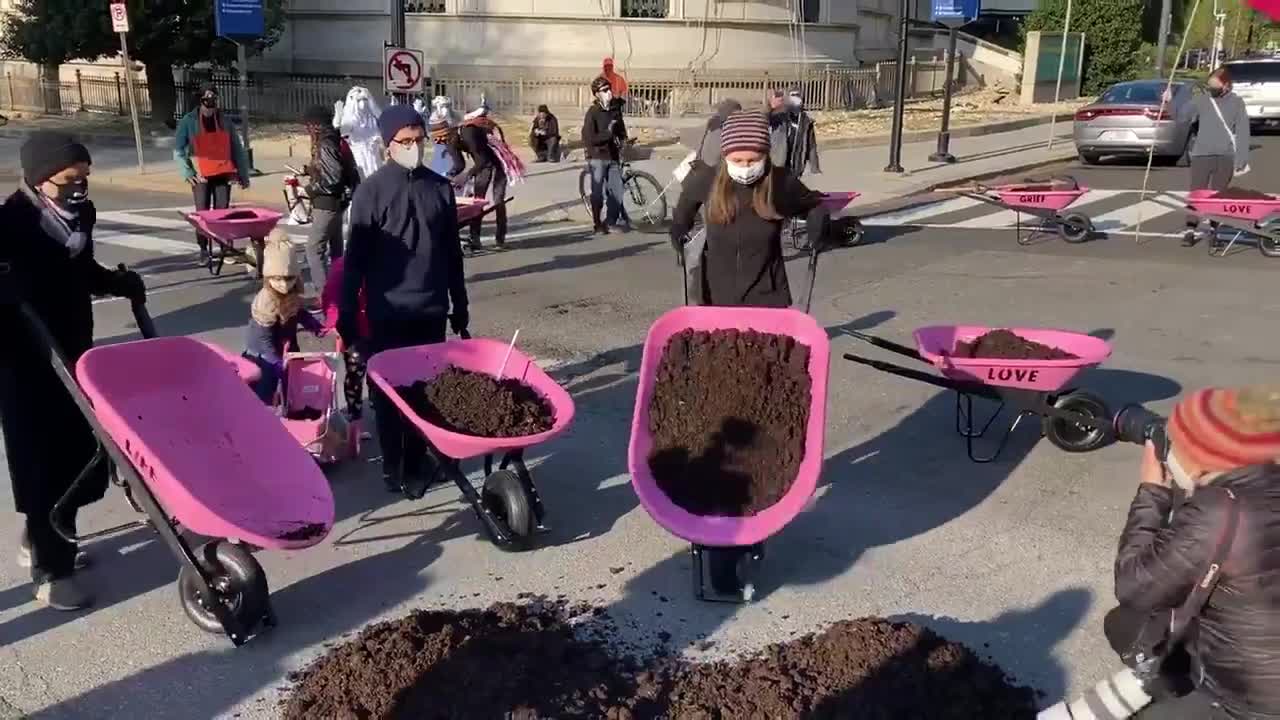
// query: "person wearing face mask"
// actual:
[[211, 157], [1221, 148], [747, 199], [47, 262], [333, 177], [1224, 444], [405, 254], [359, 125], [603, 135], [801, 137], [275, 314]]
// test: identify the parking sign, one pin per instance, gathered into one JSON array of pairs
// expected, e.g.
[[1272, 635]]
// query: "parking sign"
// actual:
[[119, 18]]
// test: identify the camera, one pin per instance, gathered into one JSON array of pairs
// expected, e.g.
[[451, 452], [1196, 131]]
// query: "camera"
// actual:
[[1136, 424]]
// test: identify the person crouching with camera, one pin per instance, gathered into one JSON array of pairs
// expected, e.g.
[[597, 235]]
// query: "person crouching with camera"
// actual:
[[1198, 569]]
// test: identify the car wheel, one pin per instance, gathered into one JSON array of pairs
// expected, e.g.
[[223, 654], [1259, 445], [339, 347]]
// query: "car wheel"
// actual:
[[1089, 158]]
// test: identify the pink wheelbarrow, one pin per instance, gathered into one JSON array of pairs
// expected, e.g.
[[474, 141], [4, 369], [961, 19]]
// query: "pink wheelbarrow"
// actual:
[[834, 202], [508, 504], [1073, 420], [231, 229], [726, 551], [1043, 199], [195, 450], [308, 406], [1256, 217]]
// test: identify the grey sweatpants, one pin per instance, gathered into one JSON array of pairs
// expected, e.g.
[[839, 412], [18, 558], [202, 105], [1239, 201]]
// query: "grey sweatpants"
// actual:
[[1210, 172], [324, 243]]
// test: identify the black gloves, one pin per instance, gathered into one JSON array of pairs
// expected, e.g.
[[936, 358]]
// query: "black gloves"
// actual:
[[128, 284], [458, 321], [677, 242]]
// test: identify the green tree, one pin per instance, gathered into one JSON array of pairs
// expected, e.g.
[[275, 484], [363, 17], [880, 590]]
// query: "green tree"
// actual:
[[163, 34], [1113, 36]]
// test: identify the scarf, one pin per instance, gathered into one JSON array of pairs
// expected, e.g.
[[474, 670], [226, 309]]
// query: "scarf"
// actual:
[[58, 222], [511, 163]]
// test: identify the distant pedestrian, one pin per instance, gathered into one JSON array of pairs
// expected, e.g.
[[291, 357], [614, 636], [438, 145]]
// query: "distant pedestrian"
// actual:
[[47, 262], [603, 135], [544, 136], [210, 156], [801, 138], [617, 82], [333, 178], [482, 140], [359, 125]]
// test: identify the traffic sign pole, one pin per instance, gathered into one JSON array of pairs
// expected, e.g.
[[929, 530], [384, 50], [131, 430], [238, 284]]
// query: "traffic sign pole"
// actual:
[[120, 23], [899, 108], [243, 62], [943, 155]]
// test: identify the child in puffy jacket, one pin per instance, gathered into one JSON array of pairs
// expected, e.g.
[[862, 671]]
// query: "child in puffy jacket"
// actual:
[[352, 357], [276, 313]]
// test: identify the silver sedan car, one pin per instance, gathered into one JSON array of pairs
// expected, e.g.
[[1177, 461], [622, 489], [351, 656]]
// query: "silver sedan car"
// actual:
[[1127, 120]]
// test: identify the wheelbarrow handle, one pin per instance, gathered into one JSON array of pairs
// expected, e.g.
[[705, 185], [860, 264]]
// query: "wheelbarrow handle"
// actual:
[[146, 327]]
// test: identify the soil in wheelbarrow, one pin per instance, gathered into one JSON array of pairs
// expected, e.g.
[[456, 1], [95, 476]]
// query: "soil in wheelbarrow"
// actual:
[[1006, 345], [544, 660], [481, 405], [728, 418], [1235, 193]]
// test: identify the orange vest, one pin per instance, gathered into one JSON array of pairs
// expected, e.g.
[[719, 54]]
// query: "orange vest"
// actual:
[[211, 150]]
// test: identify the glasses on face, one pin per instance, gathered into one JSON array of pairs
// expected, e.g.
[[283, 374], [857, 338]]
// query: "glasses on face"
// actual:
[[410, 142]]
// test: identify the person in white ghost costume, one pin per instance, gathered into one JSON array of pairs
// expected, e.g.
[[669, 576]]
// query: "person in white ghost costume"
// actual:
[[357, 120]]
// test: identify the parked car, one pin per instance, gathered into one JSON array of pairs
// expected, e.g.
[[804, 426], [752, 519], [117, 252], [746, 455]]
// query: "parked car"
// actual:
[[1257, 81], [1127, 120]]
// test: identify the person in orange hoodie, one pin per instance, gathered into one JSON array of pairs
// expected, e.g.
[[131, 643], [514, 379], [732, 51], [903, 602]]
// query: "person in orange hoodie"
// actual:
[[617, 82]]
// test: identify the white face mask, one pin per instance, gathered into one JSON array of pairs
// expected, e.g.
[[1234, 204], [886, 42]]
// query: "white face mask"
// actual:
[[409, 158], [606, 97], [746, 174], [1180, 476]]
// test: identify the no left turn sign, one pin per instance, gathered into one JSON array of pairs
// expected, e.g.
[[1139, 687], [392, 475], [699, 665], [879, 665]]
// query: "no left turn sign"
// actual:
[[402, 70]]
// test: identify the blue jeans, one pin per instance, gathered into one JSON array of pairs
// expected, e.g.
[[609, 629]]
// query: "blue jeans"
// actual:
[[606, 179], [265, 386]]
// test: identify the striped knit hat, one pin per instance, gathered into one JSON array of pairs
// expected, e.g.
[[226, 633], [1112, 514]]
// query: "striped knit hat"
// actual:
[[744, 130], [1224, 428]]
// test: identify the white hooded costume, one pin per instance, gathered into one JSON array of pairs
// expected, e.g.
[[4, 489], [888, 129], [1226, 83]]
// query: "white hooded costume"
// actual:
[[359, 124]]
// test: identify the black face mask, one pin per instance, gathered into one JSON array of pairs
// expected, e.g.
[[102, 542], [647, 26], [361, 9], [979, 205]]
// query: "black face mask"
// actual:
[[73, 193], [1217, 91], [209, 102]]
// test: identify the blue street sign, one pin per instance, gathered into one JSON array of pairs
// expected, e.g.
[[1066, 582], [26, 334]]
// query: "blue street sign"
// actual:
[[953, 10], [239, 18]]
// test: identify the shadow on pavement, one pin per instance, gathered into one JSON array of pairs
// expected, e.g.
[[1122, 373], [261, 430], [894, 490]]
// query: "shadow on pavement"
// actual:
[[565, 262]]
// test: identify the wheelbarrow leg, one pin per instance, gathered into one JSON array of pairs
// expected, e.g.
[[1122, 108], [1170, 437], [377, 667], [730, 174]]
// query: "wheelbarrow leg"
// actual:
[[725, 574], [259, 248]]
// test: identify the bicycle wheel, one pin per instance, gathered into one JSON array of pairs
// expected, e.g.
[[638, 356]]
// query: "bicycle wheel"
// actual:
[[644, 201]]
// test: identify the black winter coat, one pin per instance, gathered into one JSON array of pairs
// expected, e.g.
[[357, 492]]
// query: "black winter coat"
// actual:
[[333, 172], [46, 440], [742, 263], [603, 132], [1235, 646]]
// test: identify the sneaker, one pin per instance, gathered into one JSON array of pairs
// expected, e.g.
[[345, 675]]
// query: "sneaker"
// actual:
[[602, 229], [63, 594], [415, 486], [1190, 238], [392, 482], [624, 227]]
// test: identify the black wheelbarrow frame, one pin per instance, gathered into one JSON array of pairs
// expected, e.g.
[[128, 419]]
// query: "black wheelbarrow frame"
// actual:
[[1266, 230], [1073, 420], [1073, 227]]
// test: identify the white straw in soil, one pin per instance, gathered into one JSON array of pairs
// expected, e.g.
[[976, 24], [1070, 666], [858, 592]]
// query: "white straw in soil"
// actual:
[[503, 368]]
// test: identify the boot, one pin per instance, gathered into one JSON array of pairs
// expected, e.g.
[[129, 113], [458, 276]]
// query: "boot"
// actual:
[[26, 559]]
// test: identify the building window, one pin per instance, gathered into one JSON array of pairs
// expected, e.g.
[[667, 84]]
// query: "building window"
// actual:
[[811, 11], [644, 8], [423, 6]]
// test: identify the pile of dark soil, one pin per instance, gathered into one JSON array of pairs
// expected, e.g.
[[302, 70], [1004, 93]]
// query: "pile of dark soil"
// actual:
[[241, 215], [728, 417], [473, 403], [305, 414], [544, 660], [303, 532], [1235, 193], [1005, 345]]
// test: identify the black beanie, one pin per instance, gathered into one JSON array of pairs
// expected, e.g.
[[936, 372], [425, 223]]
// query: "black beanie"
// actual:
[[47, 153]]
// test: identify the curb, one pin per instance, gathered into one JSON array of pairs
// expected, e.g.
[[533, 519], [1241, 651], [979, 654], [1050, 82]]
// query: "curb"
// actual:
[[958, 132], [107, 139]]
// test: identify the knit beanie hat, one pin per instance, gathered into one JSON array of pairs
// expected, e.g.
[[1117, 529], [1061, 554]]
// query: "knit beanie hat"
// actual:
[[278, 257], [744, 130], [1221, 429], [47, 153], [396, 118]]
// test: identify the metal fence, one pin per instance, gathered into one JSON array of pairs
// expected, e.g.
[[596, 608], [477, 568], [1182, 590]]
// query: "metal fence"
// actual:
[[285, 98]]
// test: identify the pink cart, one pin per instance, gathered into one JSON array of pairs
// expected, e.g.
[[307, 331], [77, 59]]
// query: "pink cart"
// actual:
[[1073, 420], [834, 202], [727, 550], [1255, 217], [508, 504], [198, 453], [308, 406], [1043, 199], [231, 230]]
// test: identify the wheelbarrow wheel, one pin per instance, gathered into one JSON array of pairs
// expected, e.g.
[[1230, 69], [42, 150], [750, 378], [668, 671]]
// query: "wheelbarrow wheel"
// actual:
[[505, 496], [1075, 227], [238, 581], [1269, 246], [1072, 437]]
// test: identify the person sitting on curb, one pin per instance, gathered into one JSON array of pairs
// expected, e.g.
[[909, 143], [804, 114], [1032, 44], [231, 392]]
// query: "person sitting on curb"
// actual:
[[544, 136], [210, 157], [1224, 444]]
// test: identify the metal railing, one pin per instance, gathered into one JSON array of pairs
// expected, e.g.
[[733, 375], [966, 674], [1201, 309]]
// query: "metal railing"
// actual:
[[285, 98]]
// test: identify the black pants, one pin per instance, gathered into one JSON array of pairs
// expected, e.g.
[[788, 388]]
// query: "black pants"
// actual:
[[1177, 697], [498, 178], [52, 557], [545, 148], [357, 366], [1210, 172], [402, 447], [212, 194]]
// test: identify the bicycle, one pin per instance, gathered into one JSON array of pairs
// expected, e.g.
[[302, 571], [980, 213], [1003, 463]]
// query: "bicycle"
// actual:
[[638, 187]]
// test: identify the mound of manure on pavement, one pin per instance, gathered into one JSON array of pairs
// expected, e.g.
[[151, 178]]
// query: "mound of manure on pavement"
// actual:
[[549, 660]]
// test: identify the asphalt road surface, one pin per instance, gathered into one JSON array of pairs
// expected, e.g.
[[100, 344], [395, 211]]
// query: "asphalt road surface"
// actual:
[[1013, 557]]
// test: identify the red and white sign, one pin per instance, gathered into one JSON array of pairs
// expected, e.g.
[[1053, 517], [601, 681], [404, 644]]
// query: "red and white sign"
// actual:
[[119, 18], [402, 70]]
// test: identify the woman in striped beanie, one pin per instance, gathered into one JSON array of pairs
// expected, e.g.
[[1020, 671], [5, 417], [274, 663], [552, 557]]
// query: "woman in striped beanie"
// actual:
[[746, 200], [1224, 444]]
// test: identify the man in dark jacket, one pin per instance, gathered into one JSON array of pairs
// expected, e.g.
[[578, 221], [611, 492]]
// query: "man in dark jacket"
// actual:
[[486, 170], [405, 253], [1229, 667], [47, 263], [333, 177], [544, 136], [603, 134]]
